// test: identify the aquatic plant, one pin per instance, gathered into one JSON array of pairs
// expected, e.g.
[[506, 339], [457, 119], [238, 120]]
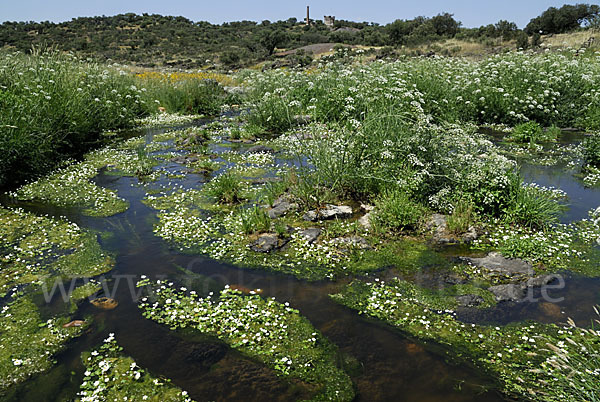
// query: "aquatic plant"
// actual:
[[272, 332], [517, 355], [110, 375]]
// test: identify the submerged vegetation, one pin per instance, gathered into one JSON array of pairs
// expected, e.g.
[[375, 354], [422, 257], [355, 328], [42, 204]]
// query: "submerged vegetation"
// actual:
[[264, 329]]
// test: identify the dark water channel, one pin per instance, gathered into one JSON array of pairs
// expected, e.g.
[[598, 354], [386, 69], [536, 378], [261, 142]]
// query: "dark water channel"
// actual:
[[391, 367]]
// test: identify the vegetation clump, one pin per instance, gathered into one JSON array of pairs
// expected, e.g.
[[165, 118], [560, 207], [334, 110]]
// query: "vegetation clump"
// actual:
[[521, 356], [274, 333], [110, 375]]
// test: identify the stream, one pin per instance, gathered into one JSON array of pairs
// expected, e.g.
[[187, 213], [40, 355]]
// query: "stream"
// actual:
[[391, 365]]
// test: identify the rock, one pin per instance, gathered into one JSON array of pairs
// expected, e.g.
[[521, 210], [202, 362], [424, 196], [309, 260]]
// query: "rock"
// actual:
[[352, 242], [540, 281], [260, 149], [329, 212], [265, 243], [365, 221], [550, 310], [470, 236], [105, 303], [367, 208], [437, 222], [264, 180], [497, 263], [311, 234], [469, 300], [74, 323], [509, 292], [281, 206]]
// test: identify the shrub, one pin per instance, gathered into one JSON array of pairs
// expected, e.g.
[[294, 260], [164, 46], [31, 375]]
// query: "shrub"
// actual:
[[591, 151], [395, 211]]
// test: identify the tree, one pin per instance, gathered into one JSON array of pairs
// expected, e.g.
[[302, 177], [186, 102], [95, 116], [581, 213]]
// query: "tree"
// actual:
[[271, 39], [560, 20]]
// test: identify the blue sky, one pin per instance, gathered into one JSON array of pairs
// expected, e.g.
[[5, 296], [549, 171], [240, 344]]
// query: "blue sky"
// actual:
[[471, 12]]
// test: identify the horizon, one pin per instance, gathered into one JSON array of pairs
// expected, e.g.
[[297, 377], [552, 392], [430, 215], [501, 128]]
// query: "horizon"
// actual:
[[380, 12]]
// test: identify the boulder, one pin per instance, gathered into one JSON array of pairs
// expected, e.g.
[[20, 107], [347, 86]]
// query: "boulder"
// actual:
[[470, 235], [469, 300], [260, 149], [352, 242], [329, 212], [509, 292], [281, 206], [265, 243], [311, 234]]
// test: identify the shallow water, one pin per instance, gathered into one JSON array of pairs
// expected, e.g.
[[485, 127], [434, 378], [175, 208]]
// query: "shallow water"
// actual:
[[390, 366]]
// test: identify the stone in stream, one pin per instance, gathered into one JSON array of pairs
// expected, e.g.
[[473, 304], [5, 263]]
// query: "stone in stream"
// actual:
[[469, 300], [329, 212], [105, 303], [311, 234], [265, 243], [540, 281], [509, 292], [497, 263], [281, 206], [260, 149]]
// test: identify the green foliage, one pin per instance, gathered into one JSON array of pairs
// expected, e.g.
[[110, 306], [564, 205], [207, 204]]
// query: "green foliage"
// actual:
[[255, 220], [271, 332], [591, 151], [226, 188], [55, 106], [462, 218], [531, 133], [559, 20], [122, 379], [531, 206], [395, 211]]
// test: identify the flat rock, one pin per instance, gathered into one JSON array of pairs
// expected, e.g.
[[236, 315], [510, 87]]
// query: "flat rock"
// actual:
[[281, 209], [509, 292], [352, 242], [365, 221], [260, 149], [469, 300], [265, 243], [311, 234], [496, 262], [329, 212]]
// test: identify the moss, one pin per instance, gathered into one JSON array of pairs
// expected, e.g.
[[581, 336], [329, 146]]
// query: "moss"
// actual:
[[112, 376], [83, 292], [271, 332], [27, 344]]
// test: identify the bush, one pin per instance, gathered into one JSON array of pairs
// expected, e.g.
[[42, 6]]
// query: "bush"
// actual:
[[54, 107], [255, 220], [591, 151], [395, 211]]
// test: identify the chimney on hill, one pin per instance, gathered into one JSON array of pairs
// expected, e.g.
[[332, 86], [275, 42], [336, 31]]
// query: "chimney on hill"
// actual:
[[307, 15]]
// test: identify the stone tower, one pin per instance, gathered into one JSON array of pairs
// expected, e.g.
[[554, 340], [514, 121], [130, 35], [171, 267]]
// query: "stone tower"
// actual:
[[329, 20], [307, 15]]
